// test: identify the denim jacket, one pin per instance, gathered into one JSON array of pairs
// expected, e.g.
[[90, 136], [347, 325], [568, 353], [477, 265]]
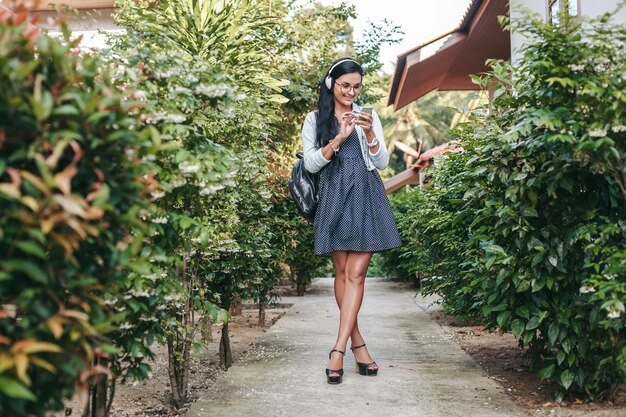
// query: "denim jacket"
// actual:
[[314, 161]]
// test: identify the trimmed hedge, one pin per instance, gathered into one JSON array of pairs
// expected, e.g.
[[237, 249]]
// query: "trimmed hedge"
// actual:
[[526, 228]]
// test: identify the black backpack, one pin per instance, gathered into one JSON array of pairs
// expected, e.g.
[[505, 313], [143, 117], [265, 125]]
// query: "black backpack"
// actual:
[[304, 188]]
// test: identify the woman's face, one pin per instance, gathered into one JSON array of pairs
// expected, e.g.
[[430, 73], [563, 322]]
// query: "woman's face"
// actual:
[[347, 88]]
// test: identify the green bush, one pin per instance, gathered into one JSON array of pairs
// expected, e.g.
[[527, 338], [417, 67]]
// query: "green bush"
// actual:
[[528, 223], [70, 195]]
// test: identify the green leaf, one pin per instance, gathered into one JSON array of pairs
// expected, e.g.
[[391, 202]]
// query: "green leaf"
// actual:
[[31, 248], [524, 285], [530, 212], [504, 272], [503, 319], [553, 260], [553, 333], [185, 222], [566, 378], [517, 327], [27, 268], [546, 372], [523, 312], [565, 82], [533, 323], [66, 110], [538, 284], [155, 135], [26, 69], [14, 389], [96, 116], [566, 345]]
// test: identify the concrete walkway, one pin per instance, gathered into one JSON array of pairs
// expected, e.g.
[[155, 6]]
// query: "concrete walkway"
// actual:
[[422, 372]]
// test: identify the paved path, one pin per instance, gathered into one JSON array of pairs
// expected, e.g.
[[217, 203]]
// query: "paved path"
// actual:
[[422, 371]]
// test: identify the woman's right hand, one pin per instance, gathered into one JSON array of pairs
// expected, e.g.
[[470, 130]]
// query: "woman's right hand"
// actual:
[[346, 127]]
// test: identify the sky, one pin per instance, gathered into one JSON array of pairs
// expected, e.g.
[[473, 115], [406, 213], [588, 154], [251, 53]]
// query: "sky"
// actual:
[[421, 20]]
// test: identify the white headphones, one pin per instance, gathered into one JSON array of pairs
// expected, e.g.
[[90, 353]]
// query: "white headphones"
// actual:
[[329, 80]]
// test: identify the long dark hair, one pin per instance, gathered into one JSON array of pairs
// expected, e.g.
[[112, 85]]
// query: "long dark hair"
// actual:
[[326, 122]]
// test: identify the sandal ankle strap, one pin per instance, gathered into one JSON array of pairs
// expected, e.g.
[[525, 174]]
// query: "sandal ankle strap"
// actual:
[[336, 350], [356, 347]]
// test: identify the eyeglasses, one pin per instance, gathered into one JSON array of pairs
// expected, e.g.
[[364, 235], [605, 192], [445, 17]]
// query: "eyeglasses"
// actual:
[[346, 87]]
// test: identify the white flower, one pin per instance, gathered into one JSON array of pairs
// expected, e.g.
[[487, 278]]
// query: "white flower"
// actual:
[[188, 168], [614, 313], [160, 220], [576, 67], [125, 326], [216, 90], [158, 194], [226, 111], [618, 128], [586, 289], [182, 90], [597, 133], [178, 183], [174, 118], [211, 189]]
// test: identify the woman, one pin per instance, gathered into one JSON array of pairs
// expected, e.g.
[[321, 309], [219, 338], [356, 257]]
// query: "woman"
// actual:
[[353, 218]]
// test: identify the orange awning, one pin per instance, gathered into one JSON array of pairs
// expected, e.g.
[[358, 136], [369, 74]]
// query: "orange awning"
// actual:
[[478, 37]]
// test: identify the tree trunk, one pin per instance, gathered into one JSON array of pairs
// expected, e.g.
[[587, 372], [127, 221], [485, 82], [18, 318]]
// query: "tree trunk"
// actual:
[[111, 396], [179, 345], [206, 329], [262, 314], [99, 408], [172, 370], [301, 285], [236, 308], [101, 398], [226, 355], [301, 289]]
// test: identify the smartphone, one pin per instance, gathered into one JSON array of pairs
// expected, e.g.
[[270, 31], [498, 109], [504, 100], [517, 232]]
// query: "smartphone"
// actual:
[[365, 109]]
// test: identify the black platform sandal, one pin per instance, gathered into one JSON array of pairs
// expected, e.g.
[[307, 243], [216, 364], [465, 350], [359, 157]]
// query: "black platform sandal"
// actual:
[[334, 379], [364, 368]]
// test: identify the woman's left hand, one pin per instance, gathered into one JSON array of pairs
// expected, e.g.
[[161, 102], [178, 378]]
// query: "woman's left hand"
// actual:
[[365, 120]]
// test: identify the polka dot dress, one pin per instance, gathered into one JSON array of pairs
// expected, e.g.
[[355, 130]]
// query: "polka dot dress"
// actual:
[[353, 213]]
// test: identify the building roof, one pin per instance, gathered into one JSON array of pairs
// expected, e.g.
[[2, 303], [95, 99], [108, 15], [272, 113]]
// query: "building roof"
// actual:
[[478, 37]]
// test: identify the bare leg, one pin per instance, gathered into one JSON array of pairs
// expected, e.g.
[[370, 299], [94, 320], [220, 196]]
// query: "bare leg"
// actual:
[[339, 260], [349, 288]]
